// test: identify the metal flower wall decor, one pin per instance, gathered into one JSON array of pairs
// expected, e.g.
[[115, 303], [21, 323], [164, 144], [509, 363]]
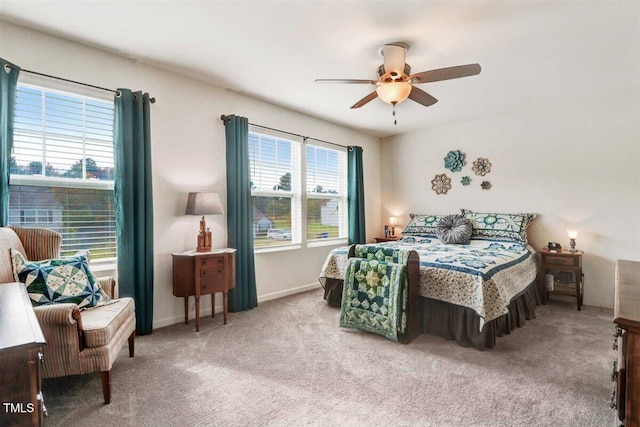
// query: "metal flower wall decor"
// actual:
[[441, 184], [481, 166], [454, 160]]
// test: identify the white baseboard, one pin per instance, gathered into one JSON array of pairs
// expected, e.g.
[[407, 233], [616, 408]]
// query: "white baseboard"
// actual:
[[287, 292], [160, 323]]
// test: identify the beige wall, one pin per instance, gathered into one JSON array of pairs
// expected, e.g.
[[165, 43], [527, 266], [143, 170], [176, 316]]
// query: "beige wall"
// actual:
[[188, 151], [576, 165]]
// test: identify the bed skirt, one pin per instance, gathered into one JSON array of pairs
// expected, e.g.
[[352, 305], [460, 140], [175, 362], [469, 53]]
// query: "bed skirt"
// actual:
[[458, 323]]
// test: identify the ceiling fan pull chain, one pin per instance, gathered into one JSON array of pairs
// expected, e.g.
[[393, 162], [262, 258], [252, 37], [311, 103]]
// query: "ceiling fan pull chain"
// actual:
[[395, 121]]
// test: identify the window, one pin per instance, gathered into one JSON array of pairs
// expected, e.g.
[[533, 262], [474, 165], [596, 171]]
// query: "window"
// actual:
[[326, 193], [275, 190], [283, 214], [62, 168]]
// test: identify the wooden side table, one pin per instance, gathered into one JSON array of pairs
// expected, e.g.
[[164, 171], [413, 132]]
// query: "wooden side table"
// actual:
[[203, 273], [387, 239], [564, 269]]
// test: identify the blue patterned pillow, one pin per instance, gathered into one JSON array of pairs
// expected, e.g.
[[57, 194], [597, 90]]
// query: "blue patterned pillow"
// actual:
[[52, 281], [499, 226], [422, 225]]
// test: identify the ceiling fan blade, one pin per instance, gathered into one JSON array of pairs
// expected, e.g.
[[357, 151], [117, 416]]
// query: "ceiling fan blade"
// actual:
[[373, 95], [394, 58], [446, 73], [351, 81], [421, 97]]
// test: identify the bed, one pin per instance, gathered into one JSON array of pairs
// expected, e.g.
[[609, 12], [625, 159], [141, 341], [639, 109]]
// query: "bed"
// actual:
[[471, 293]]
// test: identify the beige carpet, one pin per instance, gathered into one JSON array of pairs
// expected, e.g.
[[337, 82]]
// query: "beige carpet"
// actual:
[[287, 363]]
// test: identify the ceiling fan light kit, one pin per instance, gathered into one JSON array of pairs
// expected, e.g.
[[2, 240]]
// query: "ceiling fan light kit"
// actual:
[[396, 83], [394, 92]]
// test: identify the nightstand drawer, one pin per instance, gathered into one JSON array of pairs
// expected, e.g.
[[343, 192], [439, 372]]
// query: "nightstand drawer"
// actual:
[[212, 273], [560, 260], [213, 280], [212, 261]]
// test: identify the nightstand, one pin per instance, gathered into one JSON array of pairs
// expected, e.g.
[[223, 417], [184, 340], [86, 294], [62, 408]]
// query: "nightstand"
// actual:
[[561, 274], [387, 239], [203, 273]]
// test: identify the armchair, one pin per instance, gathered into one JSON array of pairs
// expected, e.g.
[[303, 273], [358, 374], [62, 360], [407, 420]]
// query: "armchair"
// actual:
[[78, 342]]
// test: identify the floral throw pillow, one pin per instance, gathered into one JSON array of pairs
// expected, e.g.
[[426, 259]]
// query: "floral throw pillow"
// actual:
[[422, 225], [65, 280], [500, 226]]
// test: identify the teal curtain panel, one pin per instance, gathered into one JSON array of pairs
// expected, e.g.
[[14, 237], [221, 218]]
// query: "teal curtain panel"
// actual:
[[355, 196], [240, 213], [134, 203], [8, 82]]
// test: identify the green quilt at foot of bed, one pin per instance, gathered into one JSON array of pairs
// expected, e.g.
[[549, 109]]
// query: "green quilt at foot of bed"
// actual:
[[374, 298]]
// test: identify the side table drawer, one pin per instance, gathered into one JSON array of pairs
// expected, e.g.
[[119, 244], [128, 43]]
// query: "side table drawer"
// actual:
[[558, 260], [212, 261], [213, 279]]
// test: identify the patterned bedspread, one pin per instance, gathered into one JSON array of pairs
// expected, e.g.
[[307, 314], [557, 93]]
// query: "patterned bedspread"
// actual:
[[483, 275]]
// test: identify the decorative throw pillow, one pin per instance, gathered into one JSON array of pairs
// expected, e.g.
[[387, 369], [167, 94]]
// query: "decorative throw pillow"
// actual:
[[65, 280], [501, 226], [454, 229], [422, 225]]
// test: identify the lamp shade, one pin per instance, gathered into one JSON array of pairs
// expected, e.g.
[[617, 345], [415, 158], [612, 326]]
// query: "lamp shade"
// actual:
[[203, 204], [394, 92], [393, 221], [573, 234]]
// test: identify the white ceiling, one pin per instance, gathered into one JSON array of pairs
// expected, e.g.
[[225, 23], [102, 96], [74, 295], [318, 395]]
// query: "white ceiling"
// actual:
[[532, 53]]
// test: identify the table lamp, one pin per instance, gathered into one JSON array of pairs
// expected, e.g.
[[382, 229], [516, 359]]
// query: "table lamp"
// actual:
[[393, 221], [203, 203], [573, 235]]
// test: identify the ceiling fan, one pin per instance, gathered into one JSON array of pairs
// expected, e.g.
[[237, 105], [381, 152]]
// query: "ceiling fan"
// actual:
[[396, 83]]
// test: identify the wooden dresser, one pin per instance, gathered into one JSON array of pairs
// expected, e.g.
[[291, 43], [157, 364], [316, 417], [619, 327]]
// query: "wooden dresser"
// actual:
[[203, 273], [626, 316], [21, 345]]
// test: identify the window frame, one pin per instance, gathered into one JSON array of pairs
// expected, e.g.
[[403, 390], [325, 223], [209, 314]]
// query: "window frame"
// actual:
[[295, 194], [341, 196], [41, 180]]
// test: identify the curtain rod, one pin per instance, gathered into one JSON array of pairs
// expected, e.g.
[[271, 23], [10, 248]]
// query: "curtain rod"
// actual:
[[151, 100], [225, 120]]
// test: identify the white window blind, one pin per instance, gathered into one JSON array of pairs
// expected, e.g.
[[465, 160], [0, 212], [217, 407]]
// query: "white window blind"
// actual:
[[326, 192], [62, 168], [275, 189]]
